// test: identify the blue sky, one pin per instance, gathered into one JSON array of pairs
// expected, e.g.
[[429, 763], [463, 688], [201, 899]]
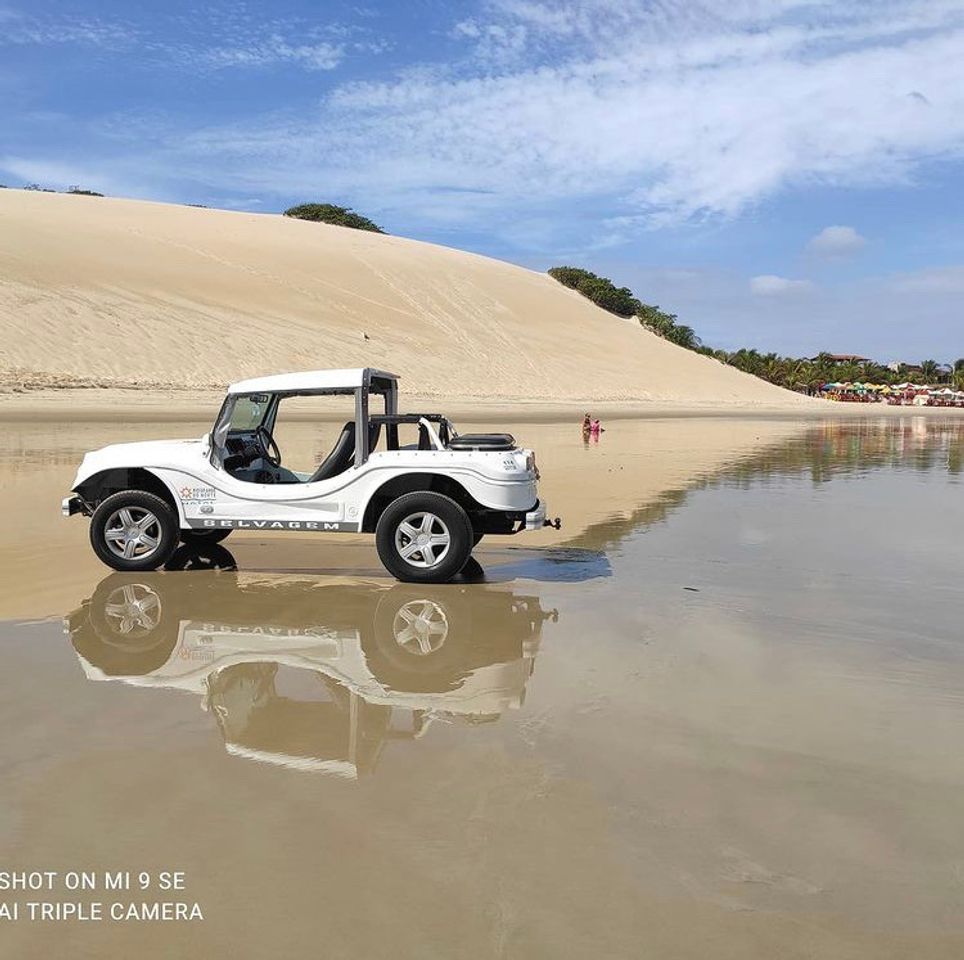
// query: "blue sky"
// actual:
[[781, 174]]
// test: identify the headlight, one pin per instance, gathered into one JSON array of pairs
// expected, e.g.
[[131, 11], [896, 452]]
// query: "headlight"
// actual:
[[531, 464]]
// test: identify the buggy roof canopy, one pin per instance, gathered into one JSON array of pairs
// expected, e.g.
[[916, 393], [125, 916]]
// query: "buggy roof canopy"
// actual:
[[311, 380]]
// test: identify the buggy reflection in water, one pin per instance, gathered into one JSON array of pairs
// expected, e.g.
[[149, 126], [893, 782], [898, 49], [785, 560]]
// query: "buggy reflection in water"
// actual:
[[310, 674]]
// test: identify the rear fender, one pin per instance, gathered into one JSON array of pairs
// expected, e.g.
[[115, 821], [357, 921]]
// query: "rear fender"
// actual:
[[489, 517]]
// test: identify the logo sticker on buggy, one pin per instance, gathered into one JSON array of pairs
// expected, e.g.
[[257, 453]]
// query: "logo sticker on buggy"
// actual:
[[189, 494], [331, 525]]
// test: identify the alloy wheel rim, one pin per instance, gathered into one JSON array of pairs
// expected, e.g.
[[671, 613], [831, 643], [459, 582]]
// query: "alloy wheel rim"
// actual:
[[133, 610], [420, 627], [422, 539], [132, 533]]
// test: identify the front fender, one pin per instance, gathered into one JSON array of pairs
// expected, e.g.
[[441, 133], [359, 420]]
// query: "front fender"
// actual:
[[94, 486]]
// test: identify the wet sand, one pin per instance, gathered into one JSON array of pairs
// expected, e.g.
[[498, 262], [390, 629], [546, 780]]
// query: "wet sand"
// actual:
[[190, 404], [719, 716], [48, 565]]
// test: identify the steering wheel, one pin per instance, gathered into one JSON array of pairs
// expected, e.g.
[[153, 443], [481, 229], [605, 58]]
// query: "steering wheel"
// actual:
[[269, 448]]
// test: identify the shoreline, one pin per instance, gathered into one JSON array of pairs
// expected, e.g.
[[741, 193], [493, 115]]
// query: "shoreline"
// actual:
[[153, 406]]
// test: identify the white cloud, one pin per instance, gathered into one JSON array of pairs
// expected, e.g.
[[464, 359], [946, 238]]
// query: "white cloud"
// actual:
[[59, 174], [244, 41], [666, 112], [21, 30], [836, 242], [768, 285], [856, 316], [624, 114], [273, 50], [933, 280]]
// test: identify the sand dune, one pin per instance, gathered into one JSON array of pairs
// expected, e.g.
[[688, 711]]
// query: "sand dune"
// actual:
[[120, 293]]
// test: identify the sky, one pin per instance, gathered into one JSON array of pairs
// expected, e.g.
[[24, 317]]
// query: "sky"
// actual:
[[779, 174]]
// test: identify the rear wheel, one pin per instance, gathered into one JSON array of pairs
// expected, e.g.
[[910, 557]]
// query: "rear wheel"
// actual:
[[424, 537], [134, 530], [204, 536]]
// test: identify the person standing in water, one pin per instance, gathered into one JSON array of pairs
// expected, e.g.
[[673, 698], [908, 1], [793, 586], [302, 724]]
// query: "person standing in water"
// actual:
[[586, 425]]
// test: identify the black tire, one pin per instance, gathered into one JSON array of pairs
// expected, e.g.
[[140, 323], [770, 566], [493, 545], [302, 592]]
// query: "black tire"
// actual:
[[201, 556], [165, 530], [204, 536], [454, 524]]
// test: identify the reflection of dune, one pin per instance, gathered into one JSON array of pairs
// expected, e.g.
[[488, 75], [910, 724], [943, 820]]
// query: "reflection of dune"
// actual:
[[820, 452]]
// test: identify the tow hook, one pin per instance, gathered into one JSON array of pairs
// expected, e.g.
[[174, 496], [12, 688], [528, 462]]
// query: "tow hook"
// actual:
[[557, 523]]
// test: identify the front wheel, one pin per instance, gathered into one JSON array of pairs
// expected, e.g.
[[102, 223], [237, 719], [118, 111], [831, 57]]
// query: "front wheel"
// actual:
[[134, 530], [424, 537]]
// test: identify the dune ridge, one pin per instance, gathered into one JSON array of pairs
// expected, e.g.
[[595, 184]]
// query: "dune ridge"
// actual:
[[101, 294]]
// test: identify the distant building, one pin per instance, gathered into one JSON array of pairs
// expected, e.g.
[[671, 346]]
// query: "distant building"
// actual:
[[898, 366], [843, 358]]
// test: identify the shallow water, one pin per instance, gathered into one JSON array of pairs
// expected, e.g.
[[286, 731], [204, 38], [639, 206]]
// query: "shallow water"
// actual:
[[718, 715]]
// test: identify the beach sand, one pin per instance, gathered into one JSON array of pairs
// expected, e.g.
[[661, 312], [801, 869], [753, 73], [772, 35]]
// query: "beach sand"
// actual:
[[712, 716], [715, 717]]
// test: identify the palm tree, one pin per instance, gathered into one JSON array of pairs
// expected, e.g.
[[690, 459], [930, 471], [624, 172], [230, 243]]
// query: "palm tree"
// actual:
[[656, 320], [774, 369], [749, 361], [798, 374], [875, 373], [847, 372], [824, 365], [683, 336], [929, 370]]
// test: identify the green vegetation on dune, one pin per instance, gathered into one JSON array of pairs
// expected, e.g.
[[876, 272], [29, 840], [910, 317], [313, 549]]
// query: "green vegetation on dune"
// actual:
[[600, 290], [330, 213], [794, 373]]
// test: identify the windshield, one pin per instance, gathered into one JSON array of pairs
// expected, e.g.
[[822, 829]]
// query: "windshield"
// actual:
[[248, 413]]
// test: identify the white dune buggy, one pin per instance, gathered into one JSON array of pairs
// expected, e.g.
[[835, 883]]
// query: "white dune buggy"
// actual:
[[428, 502]]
